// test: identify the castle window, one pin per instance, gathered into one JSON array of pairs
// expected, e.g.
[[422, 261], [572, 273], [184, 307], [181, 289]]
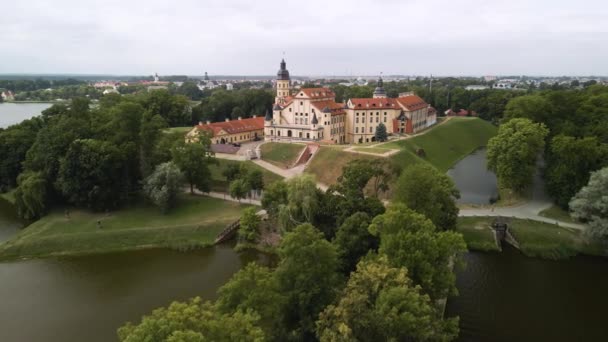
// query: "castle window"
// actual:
[[377, 119], [356, 129], [385, 119], [290, 110], [301, 103], [357, 120], [370, 130]]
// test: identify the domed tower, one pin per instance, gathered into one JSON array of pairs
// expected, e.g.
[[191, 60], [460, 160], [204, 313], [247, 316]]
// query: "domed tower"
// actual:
[[283, 86], [379, 92]]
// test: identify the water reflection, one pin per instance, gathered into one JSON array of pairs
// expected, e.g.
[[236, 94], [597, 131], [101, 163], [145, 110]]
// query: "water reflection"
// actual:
[[477, 185]]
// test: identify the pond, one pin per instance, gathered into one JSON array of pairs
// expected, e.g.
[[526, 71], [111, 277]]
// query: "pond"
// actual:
[[88, 298], [510, 297], [477, 185], [13, 113]]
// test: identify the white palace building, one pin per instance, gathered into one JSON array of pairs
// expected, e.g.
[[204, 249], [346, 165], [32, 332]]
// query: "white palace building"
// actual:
[[312, 114]]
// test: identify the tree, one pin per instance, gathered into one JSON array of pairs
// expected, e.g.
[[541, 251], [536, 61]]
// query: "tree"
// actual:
[[193, 320], [91, 174], [591, 204], [190, 90], [569, 164], [231, 172], [353, 241], [512, 153], [380, 303], [149, 135], [237, 112], [239, 189], [14, 143], [163, 185], [533, 107], [381, 134], [303, 202], [274, 197], [174, 109], [255, 179], [255, 288], [424, 189], [411, 240], [31, 196], [249, 228], [307, 276], [194, 160]]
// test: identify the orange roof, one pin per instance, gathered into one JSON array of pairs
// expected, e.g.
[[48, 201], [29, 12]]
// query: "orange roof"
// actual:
[[335, 108], [380, 103], [234, 126], [317, 92], [412, 102]]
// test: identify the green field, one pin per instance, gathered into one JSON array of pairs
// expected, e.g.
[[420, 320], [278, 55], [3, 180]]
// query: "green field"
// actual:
[[449, 142], [536, 239], [477, 233], [195, 222], [281, 154], [557, 213], [219, 182], [178, 129]]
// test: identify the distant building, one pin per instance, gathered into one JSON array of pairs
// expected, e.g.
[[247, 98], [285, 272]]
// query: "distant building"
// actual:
[[502, 85], [206, 83], [461, 112], [476, 87], [312, 114], [490, 78], [110, 91], [231, 131], [7, 95], [229, 86]]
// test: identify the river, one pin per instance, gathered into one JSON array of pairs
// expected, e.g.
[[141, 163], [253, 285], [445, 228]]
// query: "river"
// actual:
[[477, 185], [12, 113]]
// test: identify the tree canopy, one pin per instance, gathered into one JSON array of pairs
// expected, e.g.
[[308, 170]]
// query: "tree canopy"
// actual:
[[591, 204]]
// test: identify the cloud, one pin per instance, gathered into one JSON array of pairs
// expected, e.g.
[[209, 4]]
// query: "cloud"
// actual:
[[458, 37]]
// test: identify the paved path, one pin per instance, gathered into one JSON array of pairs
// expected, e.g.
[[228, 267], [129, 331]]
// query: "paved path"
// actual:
[[226, 197]]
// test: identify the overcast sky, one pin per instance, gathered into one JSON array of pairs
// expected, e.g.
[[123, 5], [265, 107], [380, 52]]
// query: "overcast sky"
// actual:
[[326, 37]]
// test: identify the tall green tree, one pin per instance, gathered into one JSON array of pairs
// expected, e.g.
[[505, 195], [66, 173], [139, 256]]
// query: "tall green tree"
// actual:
[[380, 303], [591, 204], [249, 228], [534, 107], [303, 202], [91, 174], [193, 320], [353, 241], [380, 133], [513, 152], [239, 188], [424, 189], [255, 179], [274, 198], [31, 196], [163, 186], [193, 159], [411, 240], [308, 278]]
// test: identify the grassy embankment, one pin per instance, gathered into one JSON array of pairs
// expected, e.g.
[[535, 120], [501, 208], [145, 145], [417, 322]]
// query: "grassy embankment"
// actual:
[[281, 154], [178, 129], [536, 239], [557, 213], [444, 146], [195, 222], [219, 183]]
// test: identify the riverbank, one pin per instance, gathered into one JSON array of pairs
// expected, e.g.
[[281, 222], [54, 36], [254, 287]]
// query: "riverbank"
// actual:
[[194, 223], [536, 239]]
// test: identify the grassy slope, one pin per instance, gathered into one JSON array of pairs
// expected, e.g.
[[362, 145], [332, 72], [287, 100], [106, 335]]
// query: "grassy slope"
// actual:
[[194, 222], [184, 130], [449, 142], [536, 239], [219, 181], [477, 233], [281, 154], [328, 162], [557, 213], [9, 196]]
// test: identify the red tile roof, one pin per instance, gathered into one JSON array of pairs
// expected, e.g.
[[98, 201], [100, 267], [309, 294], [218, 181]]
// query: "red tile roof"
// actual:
[[336, 108], [378, 103], [234, 126], [411, 102], [317, 92]]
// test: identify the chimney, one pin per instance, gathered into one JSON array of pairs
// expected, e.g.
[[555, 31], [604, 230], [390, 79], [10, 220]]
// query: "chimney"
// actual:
[[200, 123], [239, 118], [227, 119], [208, 122], [255, 116]]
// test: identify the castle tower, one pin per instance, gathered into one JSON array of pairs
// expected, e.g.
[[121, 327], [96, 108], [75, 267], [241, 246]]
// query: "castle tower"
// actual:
[[379, 92], [283, 83]]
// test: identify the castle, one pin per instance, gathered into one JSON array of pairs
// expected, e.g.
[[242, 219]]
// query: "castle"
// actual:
[[312, 114]]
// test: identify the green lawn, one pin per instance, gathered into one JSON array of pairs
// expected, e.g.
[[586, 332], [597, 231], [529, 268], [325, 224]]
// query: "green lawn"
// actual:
[[195, 222], [281, 154], [219, 182], [536, 239], [449, 142], [557, 213], [477, 233]]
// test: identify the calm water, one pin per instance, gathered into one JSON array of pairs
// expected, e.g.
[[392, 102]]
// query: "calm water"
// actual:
[[88, 298], [510, 297], [476, 184], [12, 113]]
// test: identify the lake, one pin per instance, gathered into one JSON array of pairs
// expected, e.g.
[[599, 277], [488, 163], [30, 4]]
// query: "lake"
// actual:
[[476, 184], [13, 113]]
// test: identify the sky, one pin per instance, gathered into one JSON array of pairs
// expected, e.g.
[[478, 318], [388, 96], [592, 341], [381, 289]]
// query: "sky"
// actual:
[[316, 37]]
